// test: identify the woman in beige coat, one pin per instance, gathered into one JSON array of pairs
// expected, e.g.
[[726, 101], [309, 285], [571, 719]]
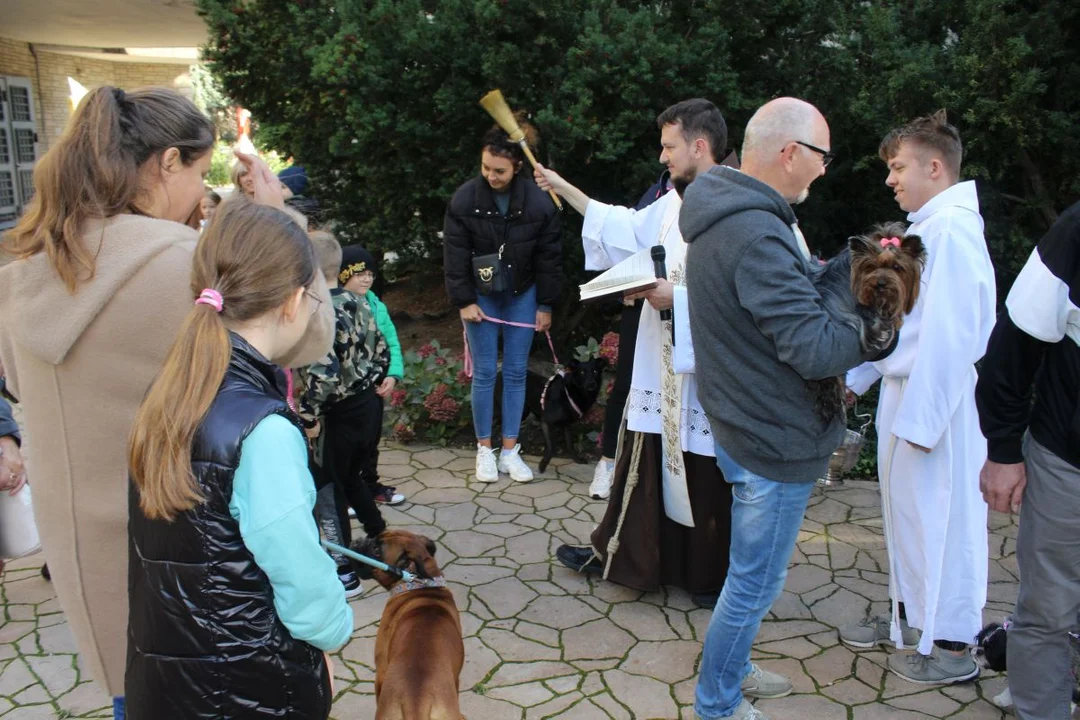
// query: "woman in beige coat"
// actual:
[[88, 310]]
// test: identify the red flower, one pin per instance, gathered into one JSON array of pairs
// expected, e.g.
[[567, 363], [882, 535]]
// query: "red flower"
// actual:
[[600, 439], [440, 361], [397, 398], [609, 348], [426, 351], [595, 416], [610, 387], [440, 406], [462, 378], [446, 411]]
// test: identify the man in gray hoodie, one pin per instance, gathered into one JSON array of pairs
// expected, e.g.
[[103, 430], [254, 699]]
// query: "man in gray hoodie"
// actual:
[[762, 332]]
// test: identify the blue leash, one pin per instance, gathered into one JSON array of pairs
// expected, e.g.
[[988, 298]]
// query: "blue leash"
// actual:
[[378, 565]]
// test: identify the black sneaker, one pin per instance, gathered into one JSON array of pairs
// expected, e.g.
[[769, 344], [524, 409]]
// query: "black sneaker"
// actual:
[[579, 559], [45, 572], [350, 581]]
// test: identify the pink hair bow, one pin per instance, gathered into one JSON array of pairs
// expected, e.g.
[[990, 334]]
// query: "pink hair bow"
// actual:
[[894, 241], [212, 298]]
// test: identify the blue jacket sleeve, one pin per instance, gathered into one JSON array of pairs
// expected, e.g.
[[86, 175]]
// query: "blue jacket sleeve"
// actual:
[[273, 497], [8, 426]]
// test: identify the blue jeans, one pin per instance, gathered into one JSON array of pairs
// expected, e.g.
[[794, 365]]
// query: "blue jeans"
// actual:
[[765, 519], [484, 345], [118, 708]]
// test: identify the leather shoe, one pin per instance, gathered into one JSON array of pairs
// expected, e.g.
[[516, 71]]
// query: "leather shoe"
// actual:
[[705, 600], [579, 559]]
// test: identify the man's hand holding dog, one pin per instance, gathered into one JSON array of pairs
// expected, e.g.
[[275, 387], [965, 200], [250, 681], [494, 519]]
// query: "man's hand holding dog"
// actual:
[[661, 297], [1003, 486]]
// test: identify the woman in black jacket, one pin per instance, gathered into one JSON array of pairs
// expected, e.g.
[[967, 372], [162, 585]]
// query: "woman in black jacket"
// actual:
[[502, 255]]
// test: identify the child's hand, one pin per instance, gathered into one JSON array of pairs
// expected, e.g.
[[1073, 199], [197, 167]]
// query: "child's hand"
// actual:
[[313, 432], [386, 387]]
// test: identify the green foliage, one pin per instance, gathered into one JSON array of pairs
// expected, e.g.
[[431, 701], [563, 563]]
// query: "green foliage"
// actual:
[[378, 98], [432, 403], [220, 166]]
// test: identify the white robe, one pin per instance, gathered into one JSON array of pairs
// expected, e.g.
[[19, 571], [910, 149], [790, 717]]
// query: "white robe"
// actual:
[[935, 516], [611, 234]]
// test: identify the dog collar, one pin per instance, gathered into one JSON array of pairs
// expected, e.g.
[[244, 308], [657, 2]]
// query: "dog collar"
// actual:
[[543, 395], [418, 584]]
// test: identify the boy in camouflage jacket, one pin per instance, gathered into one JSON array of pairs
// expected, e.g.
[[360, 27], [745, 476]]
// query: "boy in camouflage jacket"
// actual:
[[342, 400]]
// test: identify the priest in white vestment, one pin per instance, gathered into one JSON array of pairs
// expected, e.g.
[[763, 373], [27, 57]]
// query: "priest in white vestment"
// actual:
[[668, 516], [930, 447]]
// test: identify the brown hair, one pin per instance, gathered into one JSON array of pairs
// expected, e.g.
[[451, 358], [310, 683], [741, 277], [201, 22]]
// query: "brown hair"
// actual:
[[327, 253], [93, 170], [933, 133], [497, 142], [256, 257]]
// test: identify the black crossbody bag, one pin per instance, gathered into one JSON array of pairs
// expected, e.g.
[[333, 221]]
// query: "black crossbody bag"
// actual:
[[491, 273]]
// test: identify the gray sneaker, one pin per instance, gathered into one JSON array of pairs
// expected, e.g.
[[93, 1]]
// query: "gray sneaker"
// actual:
[[937, 668], [761, 683], [873, 631], [745, 711]]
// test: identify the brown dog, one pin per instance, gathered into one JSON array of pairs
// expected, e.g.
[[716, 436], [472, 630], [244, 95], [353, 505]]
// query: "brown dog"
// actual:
[[418, 650]]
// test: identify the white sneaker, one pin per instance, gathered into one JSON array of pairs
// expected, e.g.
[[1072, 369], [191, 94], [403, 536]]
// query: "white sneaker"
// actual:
[[600, 488], [510, 462], [486, 469]]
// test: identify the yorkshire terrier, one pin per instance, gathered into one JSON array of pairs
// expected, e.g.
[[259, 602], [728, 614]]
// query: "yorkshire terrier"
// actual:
[[870, 286]]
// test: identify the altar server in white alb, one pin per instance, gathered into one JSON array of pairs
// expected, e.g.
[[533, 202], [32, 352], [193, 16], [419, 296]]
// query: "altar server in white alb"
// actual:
[[670, 524], [930, 448]]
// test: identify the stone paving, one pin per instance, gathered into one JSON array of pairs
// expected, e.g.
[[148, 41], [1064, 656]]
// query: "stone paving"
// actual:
[[543, 642]]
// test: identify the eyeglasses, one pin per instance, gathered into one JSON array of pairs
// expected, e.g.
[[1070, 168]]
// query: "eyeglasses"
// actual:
[[315, 305], [827, 156]]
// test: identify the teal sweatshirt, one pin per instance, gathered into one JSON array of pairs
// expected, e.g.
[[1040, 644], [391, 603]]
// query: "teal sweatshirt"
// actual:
[[273, 498]]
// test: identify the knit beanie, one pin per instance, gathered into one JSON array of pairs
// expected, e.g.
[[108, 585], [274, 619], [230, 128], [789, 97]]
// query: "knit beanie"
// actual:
[[354, 259]]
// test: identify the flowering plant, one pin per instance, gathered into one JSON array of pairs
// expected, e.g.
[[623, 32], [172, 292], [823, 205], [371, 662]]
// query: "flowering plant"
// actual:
[[432, 402]]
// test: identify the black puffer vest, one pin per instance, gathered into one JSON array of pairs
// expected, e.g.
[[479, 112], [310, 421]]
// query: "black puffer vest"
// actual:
[[204, 640]]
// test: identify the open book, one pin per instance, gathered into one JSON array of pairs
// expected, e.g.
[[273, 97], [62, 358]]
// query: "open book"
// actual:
[[634, 274]]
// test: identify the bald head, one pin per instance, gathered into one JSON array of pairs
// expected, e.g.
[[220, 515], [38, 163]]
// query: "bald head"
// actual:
[[778, 122], [776, 146]]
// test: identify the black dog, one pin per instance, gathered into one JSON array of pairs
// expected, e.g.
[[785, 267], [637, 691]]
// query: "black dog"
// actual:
[[991, 647], [562, 399]]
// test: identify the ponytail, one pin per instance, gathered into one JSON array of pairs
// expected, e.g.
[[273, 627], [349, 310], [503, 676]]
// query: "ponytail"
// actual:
[[160, 449], [93, 171], [252, 258]]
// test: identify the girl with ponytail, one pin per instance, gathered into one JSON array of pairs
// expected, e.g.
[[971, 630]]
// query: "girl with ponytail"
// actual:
[[233, 601], [91, 299]]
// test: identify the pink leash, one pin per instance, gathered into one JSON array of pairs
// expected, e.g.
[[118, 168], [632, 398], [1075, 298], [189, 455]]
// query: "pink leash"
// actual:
[[561, 371], [468, 352]]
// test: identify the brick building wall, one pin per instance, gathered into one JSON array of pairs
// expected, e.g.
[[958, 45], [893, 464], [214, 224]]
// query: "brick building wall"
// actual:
[[52, 92]]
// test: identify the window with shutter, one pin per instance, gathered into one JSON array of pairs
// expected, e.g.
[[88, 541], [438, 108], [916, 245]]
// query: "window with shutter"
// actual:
[[18, 147]]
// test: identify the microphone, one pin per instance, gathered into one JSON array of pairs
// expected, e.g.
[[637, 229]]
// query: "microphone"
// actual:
[[658, 255]]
